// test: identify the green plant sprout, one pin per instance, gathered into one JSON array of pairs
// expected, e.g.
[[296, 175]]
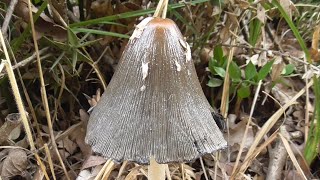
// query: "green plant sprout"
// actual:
[[241, 84]]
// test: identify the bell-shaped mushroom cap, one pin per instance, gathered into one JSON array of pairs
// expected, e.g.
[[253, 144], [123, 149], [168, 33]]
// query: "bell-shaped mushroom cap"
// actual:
[[154, 105]]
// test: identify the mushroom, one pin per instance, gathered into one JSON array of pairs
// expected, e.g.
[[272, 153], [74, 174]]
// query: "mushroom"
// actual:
[[154, 109]]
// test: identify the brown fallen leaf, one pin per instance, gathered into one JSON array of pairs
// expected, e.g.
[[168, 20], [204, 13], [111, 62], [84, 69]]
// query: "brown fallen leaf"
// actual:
[[14, 164], [261, 13], [93, 161], [277, 68], [68, 145], [12, 121], [44, 25], [314, 51]]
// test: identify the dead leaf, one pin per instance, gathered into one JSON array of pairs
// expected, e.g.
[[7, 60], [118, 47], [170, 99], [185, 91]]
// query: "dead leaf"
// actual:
[[85, 175], [292, 174], [69, 145], [286, 5], [89, 175], [243, 4], [44, 25], [93, 161], [282, 93], [277, 68], [59, 8], [314, 51], [15, 163], [261, 13], [7, 129]]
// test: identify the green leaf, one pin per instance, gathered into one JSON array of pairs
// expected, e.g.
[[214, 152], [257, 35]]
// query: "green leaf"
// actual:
[[265, 70], [254, 31], [218, 53], [214, 82], [243, 91], [220, 71], [288, 69], [235, 72], [250, 71], [183, 20], [72, 38]]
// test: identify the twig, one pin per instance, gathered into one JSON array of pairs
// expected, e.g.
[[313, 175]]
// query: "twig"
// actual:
[[7, 19], [29, 60], [284, 55], [278, 157], [283, 136]]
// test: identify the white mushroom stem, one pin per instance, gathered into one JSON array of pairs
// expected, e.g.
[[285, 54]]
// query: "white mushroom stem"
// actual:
[[156, 171]]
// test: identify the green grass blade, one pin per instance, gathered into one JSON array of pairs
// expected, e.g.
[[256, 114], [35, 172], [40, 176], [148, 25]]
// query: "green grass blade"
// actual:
[[105, 33], [311, 149], [129, 14], [254, 31], [293, 28], [182, 19]]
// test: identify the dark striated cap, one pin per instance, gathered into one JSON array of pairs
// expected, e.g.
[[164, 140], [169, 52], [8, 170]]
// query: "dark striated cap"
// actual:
[[154, 105]]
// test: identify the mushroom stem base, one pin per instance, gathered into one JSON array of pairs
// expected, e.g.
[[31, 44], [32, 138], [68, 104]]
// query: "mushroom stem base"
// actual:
[[156, 171]]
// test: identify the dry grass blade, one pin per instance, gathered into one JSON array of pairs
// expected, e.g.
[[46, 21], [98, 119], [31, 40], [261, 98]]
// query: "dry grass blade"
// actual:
[[267, 126], [44, 93], [108, 170], [1, 66], [46, 149], [133, 173], [247, 126], [203, 169], [123, 166], [226, 84], [20, 105], [168, 172], [183, 172], [291, 155], [103, 169], [255, 153]]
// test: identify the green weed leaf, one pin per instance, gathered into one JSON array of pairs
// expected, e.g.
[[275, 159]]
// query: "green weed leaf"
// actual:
[[214, 82], [250, 71], [218, 53], [220, 71], [288, 69], [243, 91], [235, 72], [265, 70]]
